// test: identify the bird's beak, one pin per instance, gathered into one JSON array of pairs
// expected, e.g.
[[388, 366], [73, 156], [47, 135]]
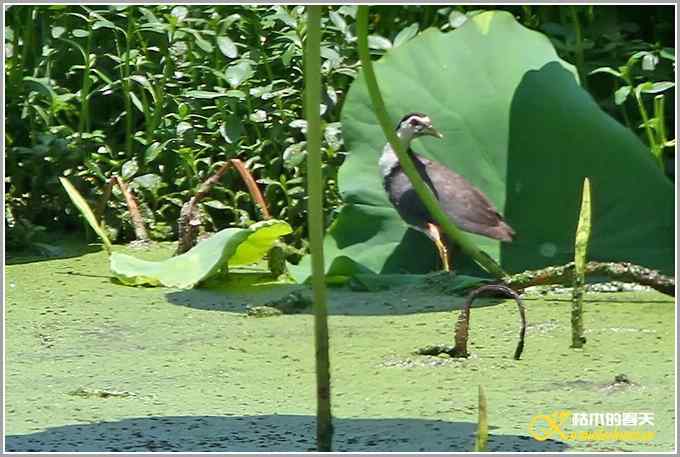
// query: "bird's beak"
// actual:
[[432, 131]]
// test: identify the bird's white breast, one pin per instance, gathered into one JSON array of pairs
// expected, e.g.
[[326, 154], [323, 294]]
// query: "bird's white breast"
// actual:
[[388, 160]]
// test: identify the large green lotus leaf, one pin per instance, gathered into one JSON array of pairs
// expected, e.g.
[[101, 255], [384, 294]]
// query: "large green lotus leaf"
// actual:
[[517, 124], [227, 248]]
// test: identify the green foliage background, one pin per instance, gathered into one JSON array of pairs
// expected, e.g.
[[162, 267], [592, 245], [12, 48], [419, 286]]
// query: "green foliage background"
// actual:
[[162, 95]]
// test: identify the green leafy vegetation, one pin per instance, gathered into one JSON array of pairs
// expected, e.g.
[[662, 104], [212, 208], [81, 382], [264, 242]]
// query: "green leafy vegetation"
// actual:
[[163, 95]]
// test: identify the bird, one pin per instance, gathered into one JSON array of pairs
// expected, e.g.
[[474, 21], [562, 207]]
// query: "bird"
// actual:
[[467, 207]]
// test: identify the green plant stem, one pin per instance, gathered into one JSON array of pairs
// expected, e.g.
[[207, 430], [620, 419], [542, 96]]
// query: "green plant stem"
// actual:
[[648, 129], [27, 39], [645, 120], [482, 435], [579, 47], [659, 102], [265, 61], [622, 108], [249, 103], [84, 124], [312, 78], [129, 120], [424, 192]]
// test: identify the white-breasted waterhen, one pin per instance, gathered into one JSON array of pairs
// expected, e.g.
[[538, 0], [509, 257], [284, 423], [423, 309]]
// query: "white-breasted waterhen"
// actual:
[[466, 205]]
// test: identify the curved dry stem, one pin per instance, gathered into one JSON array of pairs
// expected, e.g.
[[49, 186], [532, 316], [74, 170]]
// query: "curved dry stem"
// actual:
[[189, 220], [255, 192], [463, 323]]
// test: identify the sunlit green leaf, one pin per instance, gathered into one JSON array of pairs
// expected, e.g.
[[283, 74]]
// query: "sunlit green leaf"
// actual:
[[209, 258], [621, 94], [258, 116], [649, 62], [129, 169], [337, 20], [215, 204], [180, 12], [103, 23], [231, 130], [456, 19], [379, 42], [202, 43], [149, 181], [238, 74], [57, 31], [80, 33], [207, 95], [294, 154], [144, 82], [654, 88], [668, 53], [227, 47], [406, 34], [608, 70]]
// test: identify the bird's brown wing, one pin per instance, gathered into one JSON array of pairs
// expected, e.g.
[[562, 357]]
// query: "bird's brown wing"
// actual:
[[466, 205]]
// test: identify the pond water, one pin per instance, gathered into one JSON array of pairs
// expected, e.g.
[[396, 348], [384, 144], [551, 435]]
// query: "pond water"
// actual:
[[96, 366]]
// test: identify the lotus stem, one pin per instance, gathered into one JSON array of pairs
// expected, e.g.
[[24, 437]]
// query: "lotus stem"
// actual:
[[312, 76], [482, 436]]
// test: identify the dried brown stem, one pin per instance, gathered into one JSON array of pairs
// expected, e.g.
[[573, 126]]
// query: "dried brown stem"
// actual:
[[565, 274], [135, 215], [463, 323], [189, 220], [624, 271], [252, 187]]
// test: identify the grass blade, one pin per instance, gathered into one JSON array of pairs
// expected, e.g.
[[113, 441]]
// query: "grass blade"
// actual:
[[86, 211]]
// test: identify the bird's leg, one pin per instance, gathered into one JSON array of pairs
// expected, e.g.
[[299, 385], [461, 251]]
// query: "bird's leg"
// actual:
[[435, 235]]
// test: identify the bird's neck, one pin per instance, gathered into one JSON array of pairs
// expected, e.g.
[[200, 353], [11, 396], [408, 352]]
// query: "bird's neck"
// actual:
[[388, 160], [405, 136]]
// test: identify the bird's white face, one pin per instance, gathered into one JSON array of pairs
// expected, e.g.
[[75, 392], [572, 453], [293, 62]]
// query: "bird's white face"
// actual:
[[415, 126]]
